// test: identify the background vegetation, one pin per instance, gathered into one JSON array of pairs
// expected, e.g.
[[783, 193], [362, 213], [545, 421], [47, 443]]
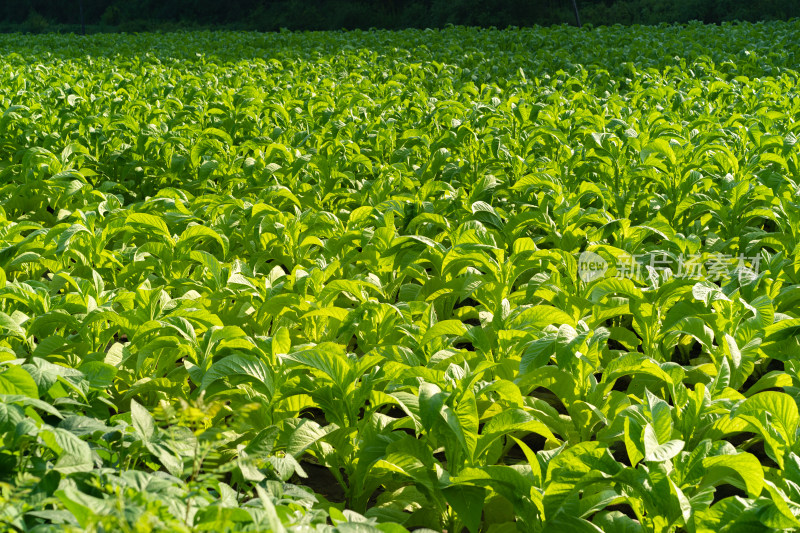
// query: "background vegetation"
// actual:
[[266, 15], [335, 282]]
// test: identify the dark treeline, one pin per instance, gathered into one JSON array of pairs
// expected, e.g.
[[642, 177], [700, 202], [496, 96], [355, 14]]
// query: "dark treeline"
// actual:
[[266, 15]]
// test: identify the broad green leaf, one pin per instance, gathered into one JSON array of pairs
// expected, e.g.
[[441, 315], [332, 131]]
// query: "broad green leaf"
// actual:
[[240, 365], [445, 327], [744, 465], [196, 232], [328, 362], [781, 408], [653, 451], [15, 380], [467, 502], [74, 454], [149, 223], [506, 423], [431, 401], [10, 325], [143, 422]]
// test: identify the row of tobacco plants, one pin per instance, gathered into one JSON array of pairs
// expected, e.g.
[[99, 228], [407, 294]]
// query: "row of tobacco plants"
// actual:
[[463, 280]]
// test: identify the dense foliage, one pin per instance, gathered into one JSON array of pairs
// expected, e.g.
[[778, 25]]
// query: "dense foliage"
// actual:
[[385, 281], [268, 15]]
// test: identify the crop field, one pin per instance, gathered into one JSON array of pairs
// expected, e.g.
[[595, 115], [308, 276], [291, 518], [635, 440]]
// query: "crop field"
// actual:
[[484, 281]]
